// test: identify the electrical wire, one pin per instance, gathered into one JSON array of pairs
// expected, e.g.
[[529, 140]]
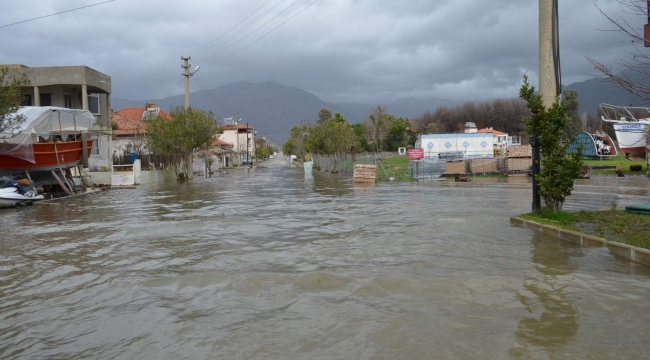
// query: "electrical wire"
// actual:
[[252, 32], [244, 28], [197, 51], [210, 94], [61, 12], [263, 36], [169, 93], [214, 93]]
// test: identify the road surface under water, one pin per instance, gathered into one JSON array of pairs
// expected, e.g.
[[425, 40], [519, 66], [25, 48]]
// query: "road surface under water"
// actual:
[[273, 265]]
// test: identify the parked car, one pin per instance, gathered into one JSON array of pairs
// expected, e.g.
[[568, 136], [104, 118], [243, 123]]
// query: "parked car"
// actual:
[[270, 156]]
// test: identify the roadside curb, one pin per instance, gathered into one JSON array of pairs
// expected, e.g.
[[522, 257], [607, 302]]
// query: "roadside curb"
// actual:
[[633, 253]]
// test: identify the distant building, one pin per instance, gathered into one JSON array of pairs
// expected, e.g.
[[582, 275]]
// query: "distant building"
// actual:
[[499, 139], [470, 128], [242, 137], [132, 127]]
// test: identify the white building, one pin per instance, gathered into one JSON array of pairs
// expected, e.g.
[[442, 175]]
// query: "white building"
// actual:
[[470, 128], [242, 137], [470, 145]]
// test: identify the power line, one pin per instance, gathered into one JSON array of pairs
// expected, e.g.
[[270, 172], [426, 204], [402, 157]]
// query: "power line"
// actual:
[[246, 27], [166, 96], [62, 12], [220, 99], [211, 95], [222, 35], [263, 36]]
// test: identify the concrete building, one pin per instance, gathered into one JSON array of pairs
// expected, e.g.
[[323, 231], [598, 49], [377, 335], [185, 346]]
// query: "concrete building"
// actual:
[[242, 137], [132, 128], [73, 87]]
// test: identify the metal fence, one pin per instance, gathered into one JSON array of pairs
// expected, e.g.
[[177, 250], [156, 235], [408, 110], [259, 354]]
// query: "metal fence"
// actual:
[[427, 169], [346, 163]]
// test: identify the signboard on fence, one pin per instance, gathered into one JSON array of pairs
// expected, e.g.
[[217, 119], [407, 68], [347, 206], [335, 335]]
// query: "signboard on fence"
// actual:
[[416, 154]]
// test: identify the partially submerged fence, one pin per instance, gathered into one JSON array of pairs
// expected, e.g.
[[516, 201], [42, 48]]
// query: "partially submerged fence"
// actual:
[[344, 163]]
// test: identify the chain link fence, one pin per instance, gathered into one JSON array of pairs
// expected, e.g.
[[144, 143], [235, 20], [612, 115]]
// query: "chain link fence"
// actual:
[[345, 163]]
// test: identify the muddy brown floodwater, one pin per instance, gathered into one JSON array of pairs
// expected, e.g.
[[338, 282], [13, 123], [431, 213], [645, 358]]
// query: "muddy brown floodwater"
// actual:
[[272, 265]]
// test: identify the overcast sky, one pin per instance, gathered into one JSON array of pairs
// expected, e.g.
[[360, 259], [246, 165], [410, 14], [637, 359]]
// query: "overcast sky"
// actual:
[[341, 50]]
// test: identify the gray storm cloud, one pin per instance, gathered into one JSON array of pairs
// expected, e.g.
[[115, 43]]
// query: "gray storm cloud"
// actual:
[[342, 50]]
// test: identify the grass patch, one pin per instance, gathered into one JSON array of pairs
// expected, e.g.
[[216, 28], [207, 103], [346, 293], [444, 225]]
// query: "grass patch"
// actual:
[[396, 166], [614, 161], [615, 225]]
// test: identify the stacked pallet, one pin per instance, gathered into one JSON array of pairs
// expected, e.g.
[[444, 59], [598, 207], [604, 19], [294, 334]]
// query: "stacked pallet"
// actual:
[[518, 164], [364, 173], [519, 151], [455, 167], [483, 165]]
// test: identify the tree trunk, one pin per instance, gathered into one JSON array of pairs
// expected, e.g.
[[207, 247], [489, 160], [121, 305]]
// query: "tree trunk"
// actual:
[[336, 164], [189, 165]]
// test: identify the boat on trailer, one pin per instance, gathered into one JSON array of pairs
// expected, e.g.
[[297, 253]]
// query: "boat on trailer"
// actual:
[[630, 125], [49, 138]]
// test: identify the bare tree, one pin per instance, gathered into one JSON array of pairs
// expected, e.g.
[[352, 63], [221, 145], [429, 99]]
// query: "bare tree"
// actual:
[[639, 65]]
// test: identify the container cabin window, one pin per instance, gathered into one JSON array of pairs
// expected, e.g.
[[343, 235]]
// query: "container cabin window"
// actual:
[[95, 149], [93, 104], [67, 100]]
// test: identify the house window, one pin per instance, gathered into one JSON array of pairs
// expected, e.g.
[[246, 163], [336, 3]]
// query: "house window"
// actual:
[[67, 100], [95, 150], [46, 99], [93, 104], [26, 100]]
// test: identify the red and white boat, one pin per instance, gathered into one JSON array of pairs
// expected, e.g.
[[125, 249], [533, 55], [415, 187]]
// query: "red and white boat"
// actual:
[[49, 138], [630, 125]]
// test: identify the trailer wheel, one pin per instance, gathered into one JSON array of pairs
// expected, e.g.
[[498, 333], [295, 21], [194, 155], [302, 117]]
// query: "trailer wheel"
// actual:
[[586, 172]]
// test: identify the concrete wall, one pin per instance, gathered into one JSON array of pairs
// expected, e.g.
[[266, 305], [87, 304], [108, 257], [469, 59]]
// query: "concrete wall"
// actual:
[[146, 177], [629, 252]]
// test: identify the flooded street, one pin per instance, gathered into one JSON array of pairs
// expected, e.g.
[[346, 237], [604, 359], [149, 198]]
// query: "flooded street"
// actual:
[[272, 265]]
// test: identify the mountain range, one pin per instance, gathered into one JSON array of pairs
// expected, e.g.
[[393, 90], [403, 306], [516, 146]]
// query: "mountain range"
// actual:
[[272, 108]]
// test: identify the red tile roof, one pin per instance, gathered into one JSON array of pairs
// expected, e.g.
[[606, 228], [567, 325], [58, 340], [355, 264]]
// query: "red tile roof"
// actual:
[[129, 120], [217, 142], [235, 127], [495, 132]]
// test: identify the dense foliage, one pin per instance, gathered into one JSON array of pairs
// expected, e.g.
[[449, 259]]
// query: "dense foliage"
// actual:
[[501, 114], [558, 168], [179, 137], [333, 137], [10, 99]]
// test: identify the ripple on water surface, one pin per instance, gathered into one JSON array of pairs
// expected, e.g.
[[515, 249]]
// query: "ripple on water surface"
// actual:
[[272, 265]]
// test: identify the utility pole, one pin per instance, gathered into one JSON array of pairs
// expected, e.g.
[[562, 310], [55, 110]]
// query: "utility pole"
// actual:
[[646, 30], [547, 83], [190, 158]]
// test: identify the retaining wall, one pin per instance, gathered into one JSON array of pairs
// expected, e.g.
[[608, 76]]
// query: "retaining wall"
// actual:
[[633, 253]]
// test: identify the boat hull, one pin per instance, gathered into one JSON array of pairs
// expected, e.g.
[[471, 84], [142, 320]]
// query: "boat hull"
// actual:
[[631, 136], [47, 156]]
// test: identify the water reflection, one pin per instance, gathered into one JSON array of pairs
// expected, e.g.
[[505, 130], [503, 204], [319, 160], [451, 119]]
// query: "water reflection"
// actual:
[[553, 320]]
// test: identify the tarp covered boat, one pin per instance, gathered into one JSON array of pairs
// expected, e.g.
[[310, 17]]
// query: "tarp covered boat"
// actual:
[[48, 138]]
